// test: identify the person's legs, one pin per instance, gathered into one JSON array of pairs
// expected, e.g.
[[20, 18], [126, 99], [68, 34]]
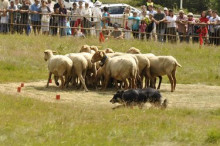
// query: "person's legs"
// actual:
[[181, 36]]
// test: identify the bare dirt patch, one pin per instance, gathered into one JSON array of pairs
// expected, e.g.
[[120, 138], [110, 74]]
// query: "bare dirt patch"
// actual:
[[190, 96]]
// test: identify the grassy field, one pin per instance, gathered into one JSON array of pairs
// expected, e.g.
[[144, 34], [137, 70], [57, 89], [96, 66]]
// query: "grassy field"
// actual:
[[26, 121], [21, 57]]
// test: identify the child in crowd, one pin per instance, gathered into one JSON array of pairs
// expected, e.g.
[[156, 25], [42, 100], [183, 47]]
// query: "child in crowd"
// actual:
[[142, 28]]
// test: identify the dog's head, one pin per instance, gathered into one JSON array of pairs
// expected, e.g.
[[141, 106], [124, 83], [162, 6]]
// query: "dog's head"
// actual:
[[117, 98]]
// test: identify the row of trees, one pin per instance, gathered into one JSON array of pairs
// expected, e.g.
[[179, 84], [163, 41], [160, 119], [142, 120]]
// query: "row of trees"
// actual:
[[195, 6]]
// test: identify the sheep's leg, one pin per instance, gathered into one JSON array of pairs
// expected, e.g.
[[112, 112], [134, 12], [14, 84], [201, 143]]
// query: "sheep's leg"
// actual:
[[56, 78], [171, 82], [174, 78], [146, 82], [160, 80], [83, 82], [126, 84], [106, 82], [62, 82], [133, 83], [49, 78]]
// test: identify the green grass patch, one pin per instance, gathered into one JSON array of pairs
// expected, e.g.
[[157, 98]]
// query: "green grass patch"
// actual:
[[25, 121], [21, 57]]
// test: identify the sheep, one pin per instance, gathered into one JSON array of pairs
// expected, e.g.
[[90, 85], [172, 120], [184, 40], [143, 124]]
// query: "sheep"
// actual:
[[58, 65], [80, 66], [134, 50], [164, 65], [109, 50], [89, 49], [120, 68]]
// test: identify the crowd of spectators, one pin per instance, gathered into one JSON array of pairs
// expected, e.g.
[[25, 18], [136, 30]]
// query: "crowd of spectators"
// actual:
[[159, 24]]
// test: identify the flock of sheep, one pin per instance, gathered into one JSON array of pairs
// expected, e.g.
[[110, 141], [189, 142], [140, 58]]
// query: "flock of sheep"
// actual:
[[106, 68]]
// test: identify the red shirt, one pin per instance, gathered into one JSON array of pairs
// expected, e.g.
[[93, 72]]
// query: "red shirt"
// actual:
[[204, 19]]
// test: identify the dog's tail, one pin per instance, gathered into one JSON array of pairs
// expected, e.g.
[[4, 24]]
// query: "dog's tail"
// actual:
[[164, 104]]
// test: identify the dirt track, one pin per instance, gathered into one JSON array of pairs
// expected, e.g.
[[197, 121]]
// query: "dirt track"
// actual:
[[191, 96]]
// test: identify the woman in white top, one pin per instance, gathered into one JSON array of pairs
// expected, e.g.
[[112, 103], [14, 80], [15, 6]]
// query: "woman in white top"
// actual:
[[171, 26], [87, 18], [45, 19]]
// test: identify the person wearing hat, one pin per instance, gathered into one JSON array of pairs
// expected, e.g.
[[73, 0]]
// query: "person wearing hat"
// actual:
[[190, 30], [182, 25], [87, 18], [12, 16], [166, 12], [35, 17], [116, 33], [96, 17]]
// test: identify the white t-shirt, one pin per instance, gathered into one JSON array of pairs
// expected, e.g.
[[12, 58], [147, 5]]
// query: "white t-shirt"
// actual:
[[171, 21], [211, 27], [4, 19], [97, 14]]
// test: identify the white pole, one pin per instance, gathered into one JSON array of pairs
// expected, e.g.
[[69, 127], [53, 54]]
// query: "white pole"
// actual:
[[181, 4]]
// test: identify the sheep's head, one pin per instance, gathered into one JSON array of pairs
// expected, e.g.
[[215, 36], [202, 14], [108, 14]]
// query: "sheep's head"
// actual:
[[48, 54], [134, 50], [94, 48], [85, 48], [109, 50], [98, 56]]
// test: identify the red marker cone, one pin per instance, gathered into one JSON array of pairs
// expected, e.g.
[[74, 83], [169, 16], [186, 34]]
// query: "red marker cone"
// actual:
[[58, 97], [19, 89], [50, 81], [22, 84]]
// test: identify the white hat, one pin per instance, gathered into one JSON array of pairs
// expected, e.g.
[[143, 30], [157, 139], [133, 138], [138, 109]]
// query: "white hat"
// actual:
[[98, 3], [165, 9], [190, 14]]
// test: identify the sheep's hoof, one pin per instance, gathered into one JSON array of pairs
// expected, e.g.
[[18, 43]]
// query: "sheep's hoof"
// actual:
[[86, 90]]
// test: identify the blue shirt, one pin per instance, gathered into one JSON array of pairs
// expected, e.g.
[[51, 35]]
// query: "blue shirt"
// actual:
[[35, 17], [135, 25]]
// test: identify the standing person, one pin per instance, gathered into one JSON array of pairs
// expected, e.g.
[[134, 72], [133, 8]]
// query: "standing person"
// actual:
[[190, 30], [50, 4], [152, 12], [80, 13], [182, 27], [73, 17], [105, 18], [126, 14], [97, 16], [166, 12], [212, 27], [135, 24], [142, 28], [18, 16], [203, 20], [24, 9], [4, 21], [12, 16], [62, 20], [171, 26], [87, 18], [209, 13], [35, 17], [150, 26], [160, 25], [55, 22], [45, 18]]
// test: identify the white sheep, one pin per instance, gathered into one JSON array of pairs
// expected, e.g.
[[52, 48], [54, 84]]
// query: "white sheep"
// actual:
[[58, 65], [120, 68]]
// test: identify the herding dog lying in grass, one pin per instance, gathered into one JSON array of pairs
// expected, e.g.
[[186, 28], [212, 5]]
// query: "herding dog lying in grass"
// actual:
[[139, 97]]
